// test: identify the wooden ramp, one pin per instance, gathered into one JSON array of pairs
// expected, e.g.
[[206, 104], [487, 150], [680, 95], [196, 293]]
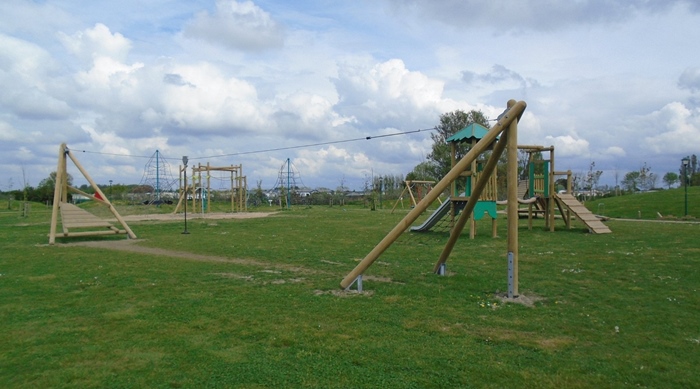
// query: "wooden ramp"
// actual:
[[523, 188], [73, 218], [582, 213]]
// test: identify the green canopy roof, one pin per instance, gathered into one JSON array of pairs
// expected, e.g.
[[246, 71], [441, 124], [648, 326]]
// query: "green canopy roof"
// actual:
[[468, 133]]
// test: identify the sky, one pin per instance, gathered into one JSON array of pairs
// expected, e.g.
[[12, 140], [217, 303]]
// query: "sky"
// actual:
[[253, 83]]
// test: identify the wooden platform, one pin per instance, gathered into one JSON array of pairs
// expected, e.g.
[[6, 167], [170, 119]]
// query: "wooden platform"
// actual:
[[73, 217], [583, 214]]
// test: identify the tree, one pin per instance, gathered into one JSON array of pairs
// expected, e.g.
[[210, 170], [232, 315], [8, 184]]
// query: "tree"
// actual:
[[258, 197], [576, 182], [421, 172], [44, 191], [631, 181], [670, 179], [592, 177], [450, 124], [647, 179]]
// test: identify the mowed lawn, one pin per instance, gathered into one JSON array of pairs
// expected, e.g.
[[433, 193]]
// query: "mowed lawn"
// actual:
[[256, 303]]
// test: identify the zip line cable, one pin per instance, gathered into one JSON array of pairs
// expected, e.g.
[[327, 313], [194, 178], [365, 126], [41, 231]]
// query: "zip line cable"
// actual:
[[273, 149]]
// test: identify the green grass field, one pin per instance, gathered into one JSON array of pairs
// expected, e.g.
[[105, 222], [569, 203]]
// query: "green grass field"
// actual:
[[255, 304], [670, 204]]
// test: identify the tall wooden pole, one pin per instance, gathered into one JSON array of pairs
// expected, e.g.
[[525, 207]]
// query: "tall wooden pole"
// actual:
[[510, 115], [59, 189], [472, 184], [552, 195], [512, 210]]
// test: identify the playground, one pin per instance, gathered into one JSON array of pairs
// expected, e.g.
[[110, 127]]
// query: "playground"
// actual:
[[116, 297]]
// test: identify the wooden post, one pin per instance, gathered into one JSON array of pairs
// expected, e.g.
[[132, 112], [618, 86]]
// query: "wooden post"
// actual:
[[244, 188], [552, 195], [182, 192], [512, 114], [208, 198], [58, 191], [472, 199], [512, 184]]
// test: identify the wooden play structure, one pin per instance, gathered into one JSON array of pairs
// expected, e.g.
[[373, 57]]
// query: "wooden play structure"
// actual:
[[540, 185], [507, 128], [486, 202], [536, 190], [421, 188], [193, 187], [76, 221]]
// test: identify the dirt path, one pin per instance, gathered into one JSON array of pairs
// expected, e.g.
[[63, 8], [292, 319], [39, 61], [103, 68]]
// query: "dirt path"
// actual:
[[192, 216], [131, 245]]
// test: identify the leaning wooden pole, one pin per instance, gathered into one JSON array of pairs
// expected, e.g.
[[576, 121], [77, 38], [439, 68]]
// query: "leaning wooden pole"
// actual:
[[512, 210], [510, 115], [466, 214]]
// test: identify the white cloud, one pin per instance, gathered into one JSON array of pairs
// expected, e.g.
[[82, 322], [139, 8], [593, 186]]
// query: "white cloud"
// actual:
[[237, 25], [676, 128], [212, 102], [107, 73], [108, 142], [23, 60], [8, 133], [569, 146], [615, 152], [306, 116], [97, 42], [333, 161], [26, 73], [388, 94]]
